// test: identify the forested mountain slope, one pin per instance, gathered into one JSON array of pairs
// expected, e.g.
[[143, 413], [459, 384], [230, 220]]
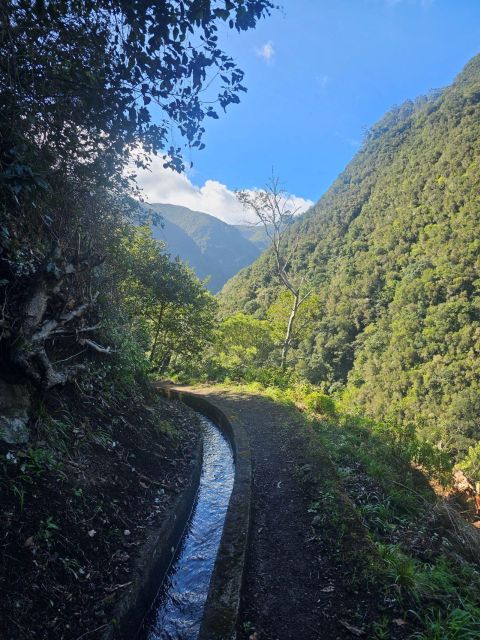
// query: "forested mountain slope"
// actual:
[[213, 248], [255, 234], [393, 252]]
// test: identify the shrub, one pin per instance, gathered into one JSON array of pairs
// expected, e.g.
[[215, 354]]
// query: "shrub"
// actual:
[[471, 463], [320, 403]]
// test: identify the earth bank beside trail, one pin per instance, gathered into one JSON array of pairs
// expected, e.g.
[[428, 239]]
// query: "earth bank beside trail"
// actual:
[[306, 572], [99, 473]]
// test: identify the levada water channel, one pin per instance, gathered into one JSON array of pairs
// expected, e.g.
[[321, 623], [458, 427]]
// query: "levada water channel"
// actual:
[[178, 609]]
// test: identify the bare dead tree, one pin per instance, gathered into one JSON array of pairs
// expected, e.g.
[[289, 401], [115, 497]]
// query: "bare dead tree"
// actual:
[[275, 211]]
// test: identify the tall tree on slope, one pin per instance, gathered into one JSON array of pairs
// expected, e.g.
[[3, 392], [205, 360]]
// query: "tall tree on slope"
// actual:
[[275, 211]]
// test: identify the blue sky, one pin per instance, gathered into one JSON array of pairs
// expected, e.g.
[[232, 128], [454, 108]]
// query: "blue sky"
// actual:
[[318, 74]]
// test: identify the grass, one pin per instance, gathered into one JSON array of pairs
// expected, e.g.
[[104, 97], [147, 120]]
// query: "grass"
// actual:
[[459, 623], [453, 592]]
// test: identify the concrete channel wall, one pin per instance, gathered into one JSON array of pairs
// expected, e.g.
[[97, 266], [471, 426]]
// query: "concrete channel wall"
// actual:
[[223, 600], [154, 561]]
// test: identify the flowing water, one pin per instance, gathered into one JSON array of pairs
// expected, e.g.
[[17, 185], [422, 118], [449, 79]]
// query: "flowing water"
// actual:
[[178, 610]]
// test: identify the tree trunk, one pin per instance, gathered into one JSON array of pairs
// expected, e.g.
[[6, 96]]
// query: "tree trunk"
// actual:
[[157, 334], [31, 335], [288, 334]]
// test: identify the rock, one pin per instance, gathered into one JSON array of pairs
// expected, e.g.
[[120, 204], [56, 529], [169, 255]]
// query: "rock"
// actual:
[[462, 484], [317, 522], [356, 631], [14, 407]]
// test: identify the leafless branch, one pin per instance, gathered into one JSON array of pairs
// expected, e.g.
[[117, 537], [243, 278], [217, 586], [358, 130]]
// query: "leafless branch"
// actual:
[[273, 208]]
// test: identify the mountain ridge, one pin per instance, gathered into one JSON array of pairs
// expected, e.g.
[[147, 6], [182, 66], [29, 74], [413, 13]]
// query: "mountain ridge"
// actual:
[[213, 248]]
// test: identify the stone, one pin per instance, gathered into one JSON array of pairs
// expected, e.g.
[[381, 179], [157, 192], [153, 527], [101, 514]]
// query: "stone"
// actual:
[[462, 483], [14, 408], [317, 522]]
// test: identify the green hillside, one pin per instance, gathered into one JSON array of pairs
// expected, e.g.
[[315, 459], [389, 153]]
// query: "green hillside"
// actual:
[[214, 249], [392, 251], [255, 234]]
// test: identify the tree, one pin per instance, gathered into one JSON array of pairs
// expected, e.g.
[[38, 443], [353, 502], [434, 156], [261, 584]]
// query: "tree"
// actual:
[[163, 302], [77, 79], [276, 212], [243, 343], [278, 315]]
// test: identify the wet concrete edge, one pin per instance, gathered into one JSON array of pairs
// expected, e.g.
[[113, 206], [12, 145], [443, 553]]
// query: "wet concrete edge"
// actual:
[[223, 600], [154, 560]]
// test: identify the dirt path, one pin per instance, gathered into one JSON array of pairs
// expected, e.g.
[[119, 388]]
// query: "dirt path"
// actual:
[[307, 550]]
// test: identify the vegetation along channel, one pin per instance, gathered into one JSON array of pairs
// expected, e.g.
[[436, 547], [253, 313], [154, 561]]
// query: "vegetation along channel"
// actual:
[[178, 609], [249, 235]]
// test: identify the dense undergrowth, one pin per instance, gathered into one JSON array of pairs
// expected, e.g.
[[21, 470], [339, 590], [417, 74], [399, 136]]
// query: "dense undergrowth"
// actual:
[[428, 554]]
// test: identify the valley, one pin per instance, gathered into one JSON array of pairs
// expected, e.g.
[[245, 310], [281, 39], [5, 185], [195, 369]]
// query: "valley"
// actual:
[[215, 250]]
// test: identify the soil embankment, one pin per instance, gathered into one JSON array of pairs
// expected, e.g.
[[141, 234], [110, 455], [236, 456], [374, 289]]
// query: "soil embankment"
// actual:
[[84, 503]]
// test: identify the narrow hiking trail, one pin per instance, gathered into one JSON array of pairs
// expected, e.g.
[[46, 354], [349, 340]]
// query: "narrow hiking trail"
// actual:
[[304, 575]]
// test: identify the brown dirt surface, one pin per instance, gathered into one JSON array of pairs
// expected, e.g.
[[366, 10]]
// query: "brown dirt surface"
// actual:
[[101, 469], [308, 553]]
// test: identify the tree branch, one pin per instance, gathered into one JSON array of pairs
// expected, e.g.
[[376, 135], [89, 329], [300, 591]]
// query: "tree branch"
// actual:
[[95, 346]]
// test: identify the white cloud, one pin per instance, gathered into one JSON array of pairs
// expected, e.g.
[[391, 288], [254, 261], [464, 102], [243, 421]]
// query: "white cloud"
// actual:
[[266, 51], [168, 187]]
